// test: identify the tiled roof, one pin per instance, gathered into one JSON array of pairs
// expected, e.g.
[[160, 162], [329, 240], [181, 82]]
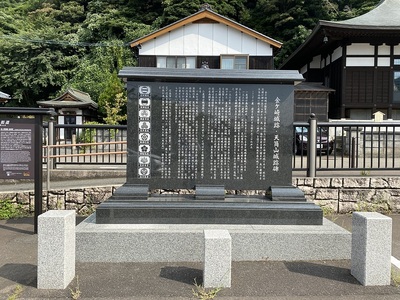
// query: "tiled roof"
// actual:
[[385, 14], [380, 25], [71, 98]]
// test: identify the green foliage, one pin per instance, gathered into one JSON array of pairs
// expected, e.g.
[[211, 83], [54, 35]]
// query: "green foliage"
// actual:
[[107, 98], [16, 293], [115, 110], [9, 210], [76, 292], [86, 136], [47, 46], [97, 72], [395, 276], [204, 294]]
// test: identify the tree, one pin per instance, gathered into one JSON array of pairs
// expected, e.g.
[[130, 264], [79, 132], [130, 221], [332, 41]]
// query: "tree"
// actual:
[[97, 72], [116, 110], [112, 88], [291, 21], [34, 71], [48, 45], [174, 10], [33, 66]]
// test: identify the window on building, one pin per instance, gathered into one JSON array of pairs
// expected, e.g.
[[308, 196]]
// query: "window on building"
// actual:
[[396, 114], [176, 62], [396, 87], [396, 81], [234, 62]]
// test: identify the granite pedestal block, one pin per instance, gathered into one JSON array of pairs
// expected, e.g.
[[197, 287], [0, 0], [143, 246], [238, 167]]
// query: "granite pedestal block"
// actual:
[[232, 210], [185, 242], [371, 248], [217, 258], [56, 249]]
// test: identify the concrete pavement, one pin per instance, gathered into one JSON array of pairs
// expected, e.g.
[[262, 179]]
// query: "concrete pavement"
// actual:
[[250, 280]]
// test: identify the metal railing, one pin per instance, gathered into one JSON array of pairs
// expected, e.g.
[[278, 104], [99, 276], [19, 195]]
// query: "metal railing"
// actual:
[[339, 145], [359, 146]]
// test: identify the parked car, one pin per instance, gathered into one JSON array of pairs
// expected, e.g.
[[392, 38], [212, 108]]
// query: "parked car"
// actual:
[[325, 143]]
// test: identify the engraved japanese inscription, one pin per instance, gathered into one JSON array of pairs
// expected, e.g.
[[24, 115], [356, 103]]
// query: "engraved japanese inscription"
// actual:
[[237, 135]]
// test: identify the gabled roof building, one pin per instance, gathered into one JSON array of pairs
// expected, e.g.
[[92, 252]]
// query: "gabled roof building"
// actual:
[[206, 39], [209, 40], [359, 58], [72, 107]]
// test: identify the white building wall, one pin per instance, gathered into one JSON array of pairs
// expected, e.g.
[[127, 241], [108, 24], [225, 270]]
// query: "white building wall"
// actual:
[[397, 50], [234, 42], [190, 39], [360, 61], [366, 49], [61, 119], [178, 44], [383, 50], [205, 39], [220, 44], [383, 61], [337, 53], [316, 62], [360, 49]]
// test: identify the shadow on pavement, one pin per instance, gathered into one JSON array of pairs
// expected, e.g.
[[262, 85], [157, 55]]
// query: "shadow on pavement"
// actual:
[[25, 274], [322, 271], [182, 274], [5, 227]]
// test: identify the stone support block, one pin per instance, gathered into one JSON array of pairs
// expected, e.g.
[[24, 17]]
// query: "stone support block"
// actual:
[[371, 248], [337, 182], [217, 258], [327, 194], [379, 183], [356, 195], [322, 182], [355, 182], [56, 249]]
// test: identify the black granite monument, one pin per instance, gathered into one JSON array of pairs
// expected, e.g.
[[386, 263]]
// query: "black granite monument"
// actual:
[[209, 130]]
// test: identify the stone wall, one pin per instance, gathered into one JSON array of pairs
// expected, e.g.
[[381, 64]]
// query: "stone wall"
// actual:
[[348, 194], [83, 200], [341, 195]]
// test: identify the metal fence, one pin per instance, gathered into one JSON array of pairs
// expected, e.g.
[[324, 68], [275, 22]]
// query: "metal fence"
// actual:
[[359, 146]]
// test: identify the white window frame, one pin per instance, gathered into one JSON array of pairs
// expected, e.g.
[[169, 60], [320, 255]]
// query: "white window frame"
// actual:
[[235, 64], [190, 62]]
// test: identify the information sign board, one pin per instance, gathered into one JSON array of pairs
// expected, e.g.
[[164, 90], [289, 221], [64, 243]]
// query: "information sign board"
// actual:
[[185, 134], [17, 148]]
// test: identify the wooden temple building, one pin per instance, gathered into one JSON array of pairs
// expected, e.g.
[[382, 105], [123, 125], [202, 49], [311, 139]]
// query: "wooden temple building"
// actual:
[[359, 58]]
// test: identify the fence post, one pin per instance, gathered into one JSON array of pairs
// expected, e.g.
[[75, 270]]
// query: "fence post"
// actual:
[[312, 146], [50, 151], [353, 153], [73, 142]]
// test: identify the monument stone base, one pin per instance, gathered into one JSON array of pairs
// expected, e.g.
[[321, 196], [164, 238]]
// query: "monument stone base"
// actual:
[[281, 205], [185, 242]]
